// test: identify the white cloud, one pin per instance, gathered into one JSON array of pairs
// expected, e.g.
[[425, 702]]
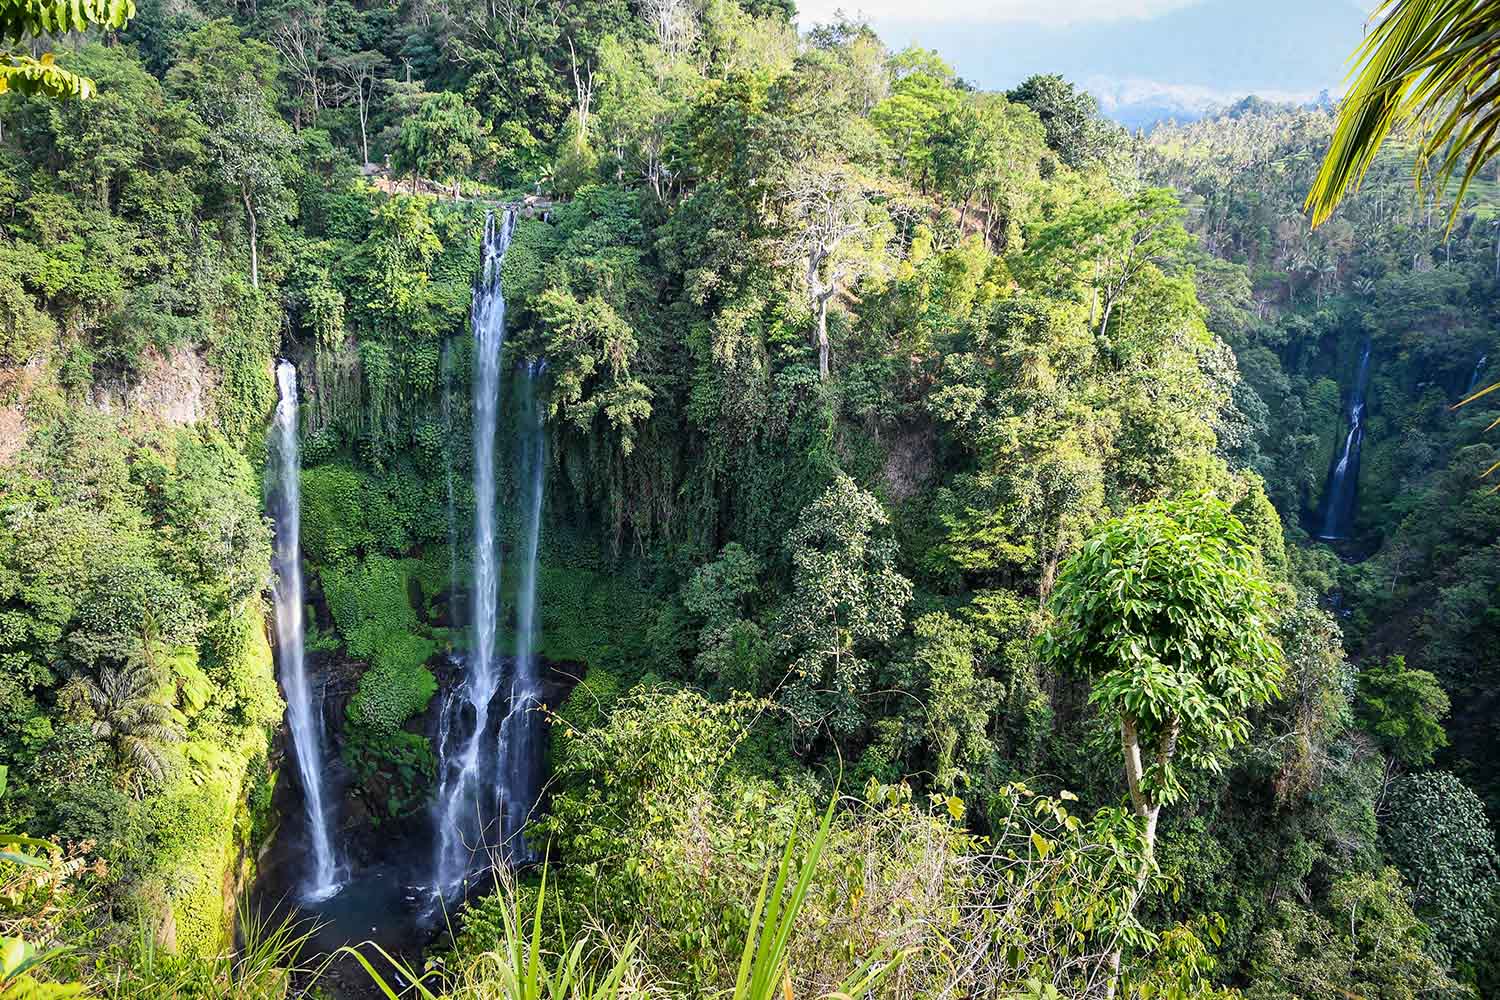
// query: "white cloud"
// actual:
[[985, 12], [1137, 92]]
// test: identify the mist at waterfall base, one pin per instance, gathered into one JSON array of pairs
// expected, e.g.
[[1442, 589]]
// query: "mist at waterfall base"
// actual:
[[304, 723], [1336, 513]]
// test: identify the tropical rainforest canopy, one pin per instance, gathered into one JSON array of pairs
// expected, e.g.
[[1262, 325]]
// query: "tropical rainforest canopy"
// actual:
[[976, 552]]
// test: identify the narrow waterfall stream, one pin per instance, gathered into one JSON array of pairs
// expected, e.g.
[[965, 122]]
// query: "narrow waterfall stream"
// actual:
[[304, 724], [520, 742], [1484, 359], [463, 810], [1343, 479]]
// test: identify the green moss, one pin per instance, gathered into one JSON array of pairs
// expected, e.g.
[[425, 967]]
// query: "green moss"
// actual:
[[195, 848], [371, 602], [595, 618], [398, 685]]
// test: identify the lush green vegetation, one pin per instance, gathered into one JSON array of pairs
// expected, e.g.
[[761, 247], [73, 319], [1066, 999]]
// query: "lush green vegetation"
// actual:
[[932, 461]]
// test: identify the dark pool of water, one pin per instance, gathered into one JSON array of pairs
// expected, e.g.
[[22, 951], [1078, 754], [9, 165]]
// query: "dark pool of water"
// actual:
[[379, 907]]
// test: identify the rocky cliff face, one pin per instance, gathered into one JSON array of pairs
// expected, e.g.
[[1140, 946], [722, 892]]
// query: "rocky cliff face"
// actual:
[[174, 388]]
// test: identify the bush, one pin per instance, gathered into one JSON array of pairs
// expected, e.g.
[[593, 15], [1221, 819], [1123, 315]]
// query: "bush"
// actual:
[[392, 770], [397, 687], [333, 514], [1439, 837], [371, 602]]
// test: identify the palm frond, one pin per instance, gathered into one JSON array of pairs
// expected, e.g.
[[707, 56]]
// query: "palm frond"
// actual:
[[1428, 63]]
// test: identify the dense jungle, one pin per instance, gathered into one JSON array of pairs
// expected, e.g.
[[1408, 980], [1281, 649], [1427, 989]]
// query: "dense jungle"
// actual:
[[656, 498]]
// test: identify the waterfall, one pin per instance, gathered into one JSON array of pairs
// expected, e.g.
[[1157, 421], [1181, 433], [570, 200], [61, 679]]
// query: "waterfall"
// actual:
[[1343, 479], [305, 724], [520, 732], [1484, 359], [459, 808]]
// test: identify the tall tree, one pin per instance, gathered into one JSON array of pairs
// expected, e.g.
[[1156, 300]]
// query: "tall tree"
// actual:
[[1166, 610], [442, 140], [1071, 117], [834, 235], [361, 77], [231, 82]]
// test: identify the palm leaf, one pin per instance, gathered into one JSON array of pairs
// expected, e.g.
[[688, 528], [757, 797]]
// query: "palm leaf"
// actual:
[[1425, 62]]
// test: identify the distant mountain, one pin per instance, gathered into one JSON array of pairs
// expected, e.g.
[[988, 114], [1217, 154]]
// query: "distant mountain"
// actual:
[[1140, 105]]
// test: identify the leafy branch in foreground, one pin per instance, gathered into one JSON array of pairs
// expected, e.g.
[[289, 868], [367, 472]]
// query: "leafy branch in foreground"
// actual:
[[23, 20]]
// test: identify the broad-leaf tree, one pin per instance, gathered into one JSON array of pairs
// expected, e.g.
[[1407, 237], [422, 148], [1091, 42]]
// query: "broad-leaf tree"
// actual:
[[847, 595], [1167, 611], [834, 235], [441, 141]]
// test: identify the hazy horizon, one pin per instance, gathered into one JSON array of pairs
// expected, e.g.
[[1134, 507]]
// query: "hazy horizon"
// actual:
[[1133, 55]]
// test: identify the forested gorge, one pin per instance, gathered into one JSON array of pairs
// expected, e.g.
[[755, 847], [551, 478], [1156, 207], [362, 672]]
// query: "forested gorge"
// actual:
[[938, 544]]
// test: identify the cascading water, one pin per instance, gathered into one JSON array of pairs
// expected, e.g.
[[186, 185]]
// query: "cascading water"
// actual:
[[459, 810], [1343, 478], [520, 732], [305, 725], [1484, 359]]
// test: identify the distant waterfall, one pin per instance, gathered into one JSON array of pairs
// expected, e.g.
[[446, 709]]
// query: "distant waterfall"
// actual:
[[520, 733], [460, 809], [305, 724], [1343, 479], [1484, 359]]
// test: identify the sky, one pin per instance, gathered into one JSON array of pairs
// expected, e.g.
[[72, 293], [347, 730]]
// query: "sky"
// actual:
[[1131, 54]]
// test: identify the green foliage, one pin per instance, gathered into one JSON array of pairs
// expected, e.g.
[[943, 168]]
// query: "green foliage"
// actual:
[[845, 360], [513, 959], [441, 140], [1167, 611], [961, 702], [371, 604], [397, 686], [1070, 117], [846, 598], [344, 513], [27, 20], [1437, 834], [393, 770], [1369, 942], [1403, 709]]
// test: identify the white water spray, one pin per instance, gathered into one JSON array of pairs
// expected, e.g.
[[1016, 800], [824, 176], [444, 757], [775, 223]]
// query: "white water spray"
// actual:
[[460, 805], [305, 724]]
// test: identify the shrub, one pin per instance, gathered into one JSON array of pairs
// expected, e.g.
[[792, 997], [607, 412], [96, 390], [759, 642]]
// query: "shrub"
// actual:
[[1439, 837], [371, 602], [397, 687]]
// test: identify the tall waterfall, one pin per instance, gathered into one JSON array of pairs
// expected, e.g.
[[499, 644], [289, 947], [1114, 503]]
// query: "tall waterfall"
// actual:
[[463, 809], [1343, 479], [305, 725], [520, 733]]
